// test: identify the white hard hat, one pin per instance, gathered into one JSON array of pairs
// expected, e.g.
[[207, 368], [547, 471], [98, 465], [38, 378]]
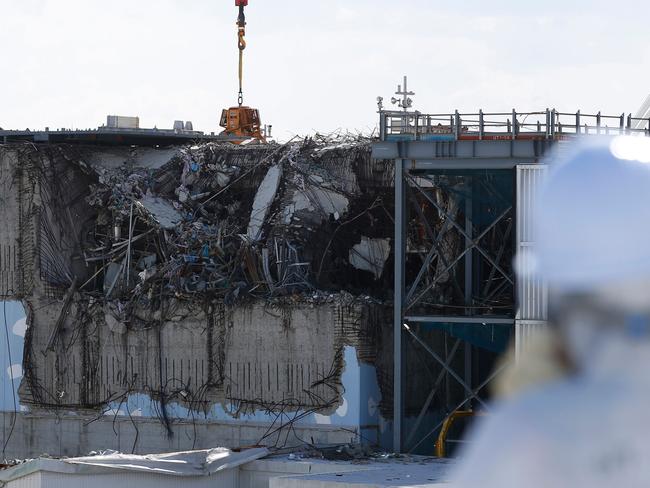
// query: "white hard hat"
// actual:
[[593, 215]]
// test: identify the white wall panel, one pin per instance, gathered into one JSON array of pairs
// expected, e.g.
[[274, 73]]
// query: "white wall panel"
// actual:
[[532, 293]]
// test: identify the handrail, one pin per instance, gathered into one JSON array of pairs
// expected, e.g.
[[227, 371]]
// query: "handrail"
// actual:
[[547, 124]]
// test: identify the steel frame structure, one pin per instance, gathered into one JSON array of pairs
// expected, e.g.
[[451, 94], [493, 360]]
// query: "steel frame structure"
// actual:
[[414, 158], [409, 296], [426, 143]]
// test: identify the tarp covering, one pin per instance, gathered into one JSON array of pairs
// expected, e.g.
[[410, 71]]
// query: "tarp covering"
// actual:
[[184, 464], [189, 463]]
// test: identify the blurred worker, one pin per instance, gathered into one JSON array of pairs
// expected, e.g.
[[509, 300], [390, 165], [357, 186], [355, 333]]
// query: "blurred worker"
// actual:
[[591, 428]]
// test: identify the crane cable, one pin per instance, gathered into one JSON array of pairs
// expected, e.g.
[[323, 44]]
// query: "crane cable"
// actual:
[[241, 44]]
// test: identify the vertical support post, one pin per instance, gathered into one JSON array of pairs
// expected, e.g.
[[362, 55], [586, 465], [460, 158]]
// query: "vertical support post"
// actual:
[[553, 123], [469, 272], [629, 124], [382, 126], [399, 249], [481, 125], [548, 123], [621, 125], [469, 268], [514, 124], [457, 123], [578, 122], [598, 122]]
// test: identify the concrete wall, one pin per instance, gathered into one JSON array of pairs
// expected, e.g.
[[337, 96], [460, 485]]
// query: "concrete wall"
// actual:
[[45, 479], [16, 246], [73, 435]]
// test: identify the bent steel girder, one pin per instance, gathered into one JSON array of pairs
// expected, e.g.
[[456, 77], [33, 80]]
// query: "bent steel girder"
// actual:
[[426, 280]]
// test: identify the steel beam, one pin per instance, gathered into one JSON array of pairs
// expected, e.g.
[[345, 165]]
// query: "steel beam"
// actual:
[[469, 273], [459, 319], [436, 385], [467, 163], [474, 392], [399, 249], [475, 153], [440, 361], [458, 258], [462, 231], [434, 251], [469, 244]]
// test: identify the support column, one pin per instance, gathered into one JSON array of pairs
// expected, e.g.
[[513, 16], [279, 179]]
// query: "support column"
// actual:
[[469, 272], [399, 249]]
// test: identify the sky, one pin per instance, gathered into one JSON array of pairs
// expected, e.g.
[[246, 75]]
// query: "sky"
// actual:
[[316, 65]]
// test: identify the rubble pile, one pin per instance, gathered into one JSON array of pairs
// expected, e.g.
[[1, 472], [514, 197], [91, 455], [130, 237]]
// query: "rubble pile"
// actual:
[[214, 221]]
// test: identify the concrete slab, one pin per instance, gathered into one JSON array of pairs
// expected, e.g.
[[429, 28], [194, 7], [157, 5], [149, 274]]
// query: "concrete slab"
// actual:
[[374, 474]]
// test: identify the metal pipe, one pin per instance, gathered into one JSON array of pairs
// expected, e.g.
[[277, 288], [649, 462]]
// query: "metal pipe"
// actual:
[[440, 447]]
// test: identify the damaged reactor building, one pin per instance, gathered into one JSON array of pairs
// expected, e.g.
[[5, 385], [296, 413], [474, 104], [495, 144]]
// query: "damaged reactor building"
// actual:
[[177, 297], [174, 291]]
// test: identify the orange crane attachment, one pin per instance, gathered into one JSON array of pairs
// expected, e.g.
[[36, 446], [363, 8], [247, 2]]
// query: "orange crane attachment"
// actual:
[[242, 121]]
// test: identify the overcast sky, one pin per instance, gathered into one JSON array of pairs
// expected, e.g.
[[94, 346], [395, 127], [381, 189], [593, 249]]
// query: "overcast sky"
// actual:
[[315, 64]]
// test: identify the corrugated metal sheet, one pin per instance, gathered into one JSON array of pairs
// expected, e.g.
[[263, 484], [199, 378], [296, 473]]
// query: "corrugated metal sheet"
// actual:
[[525, 331], [123, 122], [532, 294]]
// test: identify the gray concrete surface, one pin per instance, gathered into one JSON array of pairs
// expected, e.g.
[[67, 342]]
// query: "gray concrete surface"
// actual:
[[76, 435]]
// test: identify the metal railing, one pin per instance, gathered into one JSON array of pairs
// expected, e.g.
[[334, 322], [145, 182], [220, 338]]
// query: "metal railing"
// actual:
[[547, 124]]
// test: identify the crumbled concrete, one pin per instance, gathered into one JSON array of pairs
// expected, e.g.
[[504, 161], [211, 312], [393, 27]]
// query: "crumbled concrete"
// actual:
[[162, 211], [263, 200], [370, 255]]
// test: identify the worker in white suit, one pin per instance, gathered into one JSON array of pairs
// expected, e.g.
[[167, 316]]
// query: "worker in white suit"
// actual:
[[592, 427]]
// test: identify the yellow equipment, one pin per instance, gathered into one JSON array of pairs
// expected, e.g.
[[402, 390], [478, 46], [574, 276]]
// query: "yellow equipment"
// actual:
[[440, 447], [242, 121]]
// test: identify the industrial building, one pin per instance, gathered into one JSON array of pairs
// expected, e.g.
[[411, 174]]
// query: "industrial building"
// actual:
[[331, 290]]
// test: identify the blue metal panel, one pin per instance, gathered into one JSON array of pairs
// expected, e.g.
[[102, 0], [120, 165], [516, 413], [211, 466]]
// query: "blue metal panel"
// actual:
[[492, 337], [401, 137], [437, 137], [13, 328]]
